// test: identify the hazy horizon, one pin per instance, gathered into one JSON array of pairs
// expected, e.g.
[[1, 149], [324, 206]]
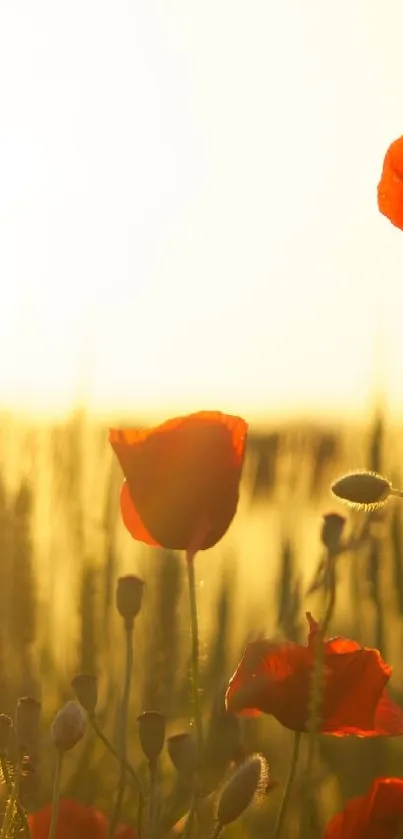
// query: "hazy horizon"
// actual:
[[188, 208]]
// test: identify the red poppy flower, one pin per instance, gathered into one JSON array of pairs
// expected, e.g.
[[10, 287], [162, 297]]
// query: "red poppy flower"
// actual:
[[75, 822], [376, 815], [180, 473], [275, 679], [390, 187]]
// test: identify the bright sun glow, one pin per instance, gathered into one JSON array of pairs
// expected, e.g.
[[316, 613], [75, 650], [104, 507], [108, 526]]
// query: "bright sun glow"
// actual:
[[188, 205]]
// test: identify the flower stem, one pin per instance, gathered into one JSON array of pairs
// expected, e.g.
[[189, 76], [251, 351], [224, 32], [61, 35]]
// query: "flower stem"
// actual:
[[12, 802], [129, 769], [7, 779], [316, 701], [56, 795], [152, 801], [195, 684], [122, 745], [288, 785], [194, 623]]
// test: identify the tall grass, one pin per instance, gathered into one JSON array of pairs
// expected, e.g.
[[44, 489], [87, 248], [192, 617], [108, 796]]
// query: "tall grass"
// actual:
[[62, 547]]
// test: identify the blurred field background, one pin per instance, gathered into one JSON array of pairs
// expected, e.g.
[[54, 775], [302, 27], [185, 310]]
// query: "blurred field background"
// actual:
[[63, 547]]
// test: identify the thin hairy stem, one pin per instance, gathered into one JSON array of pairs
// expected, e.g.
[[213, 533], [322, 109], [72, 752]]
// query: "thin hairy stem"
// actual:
[[287, 789], [152, 801], [9, 784], [316, 700], [122, 743], [12, 802], [216, 831], [129, 769], [56, 795], [195, 685]]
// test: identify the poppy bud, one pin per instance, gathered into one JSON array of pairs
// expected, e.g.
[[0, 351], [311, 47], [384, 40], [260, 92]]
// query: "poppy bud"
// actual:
[[27, 717], [332, 529], [129, 594], [182, 749], [85, 687], [363, 490], [5, 727], [248, 783], [68, 726], [152, 734]]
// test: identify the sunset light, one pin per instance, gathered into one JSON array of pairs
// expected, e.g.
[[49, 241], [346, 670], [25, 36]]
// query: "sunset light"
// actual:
[[188, 206]]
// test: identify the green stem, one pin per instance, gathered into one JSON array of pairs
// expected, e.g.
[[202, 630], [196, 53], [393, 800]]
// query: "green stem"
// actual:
[[56, 795], [194, 623], [152, 802], [129, 768], [7, 779], [11, 803], [195, 684], [316, 700], [288, 785], [122, 744]]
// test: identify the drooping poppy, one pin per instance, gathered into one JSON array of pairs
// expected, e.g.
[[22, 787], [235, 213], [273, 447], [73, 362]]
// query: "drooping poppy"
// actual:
[[75, 821], [180, 473], [390, 187], [275, 679], [376, 815]]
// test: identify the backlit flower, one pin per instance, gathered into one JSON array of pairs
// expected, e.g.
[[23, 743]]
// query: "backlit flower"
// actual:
[[275, 679], [379, 813], [390, 187], [76, 821], [178, 474]]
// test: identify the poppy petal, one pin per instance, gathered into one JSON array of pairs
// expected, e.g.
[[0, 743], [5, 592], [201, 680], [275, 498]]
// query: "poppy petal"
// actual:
[[376, 814], [180, 472], [388, 717], [353, 689], [273, 679], [132, 520], [75, 820], [390, 187]]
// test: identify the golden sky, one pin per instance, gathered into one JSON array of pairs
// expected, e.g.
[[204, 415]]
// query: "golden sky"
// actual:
[[188, 205]]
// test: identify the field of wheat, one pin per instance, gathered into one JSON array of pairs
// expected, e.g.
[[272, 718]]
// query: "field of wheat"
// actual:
[[63, 548]]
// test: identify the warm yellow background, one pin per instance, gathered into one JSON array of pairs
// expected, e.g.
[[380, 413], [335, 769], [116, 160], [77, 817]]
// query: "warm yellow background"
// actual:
[[188, 205]]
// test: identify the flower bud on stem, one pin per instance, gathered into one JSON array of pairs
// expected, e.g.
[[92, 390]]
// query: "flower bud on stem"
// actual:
[[128, 601]]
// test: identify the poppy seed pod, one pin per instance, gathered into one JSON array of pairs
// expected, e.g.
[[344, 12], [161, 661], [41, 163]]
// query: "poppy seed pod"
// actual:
[[332, 530], [27, 718], [182, 749], [152, 734], [363, 490], [68, 726], [85, 687], [5, 728], [129, 594], [247, 784]]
